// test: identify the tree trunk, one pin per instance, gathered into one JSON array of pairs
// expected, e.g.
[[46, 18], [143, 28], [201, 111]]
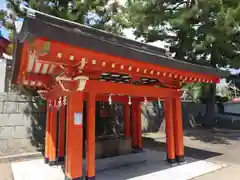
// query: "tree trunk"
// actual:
[[209, 117], [210, 114]]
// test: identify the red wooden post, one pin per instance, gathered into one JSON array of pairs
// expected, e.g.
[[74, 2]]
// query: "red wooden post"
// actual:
[[139, 124], [47, 140], [68, 138], [168, 113], [178, 130], [74, 149], [126, 116], [91, 145], [61, 137], [134, 124], [53, 134]]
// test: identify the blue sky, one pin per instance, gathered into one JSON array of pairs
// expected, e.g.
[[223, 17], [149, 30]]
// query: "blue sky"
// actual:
[[2, 4], [3, 30]]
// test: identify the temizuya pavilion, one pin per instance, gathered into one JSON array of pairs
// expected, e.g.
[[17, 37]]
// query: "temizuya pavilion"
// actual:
[[69, 63]]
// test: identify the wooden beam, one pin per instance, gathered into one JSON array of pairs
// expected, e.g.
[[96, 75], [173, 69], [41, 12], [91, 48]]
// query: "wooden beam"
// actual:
[[74, 137], [91, 137], [131, 90], [24, 61], [169, 127], [60, 53], [38, 77], [146, 69]]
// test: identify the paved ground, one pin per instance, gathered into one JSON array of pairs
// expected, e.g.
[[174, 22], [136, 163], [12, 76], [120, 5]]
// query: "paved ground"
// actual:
[[5, 171], [213, 147], [153, 168], [231, 172], [199, 144]]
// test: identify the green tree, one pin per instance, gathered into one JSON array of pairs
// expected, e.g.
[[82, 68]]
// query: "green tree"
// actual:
[[197, 31], [101, 14], [2, 15]]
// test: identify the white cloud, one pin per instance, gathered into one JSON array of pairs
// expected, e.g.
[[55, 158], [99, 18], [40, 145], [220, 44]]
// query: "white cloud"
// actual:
[[121, 2], [128, 33], [18, 25]]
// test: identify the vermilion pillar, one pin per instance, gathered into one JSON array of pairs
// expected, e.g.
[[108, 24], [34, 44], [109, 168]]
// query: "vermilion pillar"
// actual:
[[68, 138], [74, 139], [48, 119], [61, 133], [178, 130], [91, 108], [133, 114], [126, 116], [139, 125], [169, 128], [53, 135]]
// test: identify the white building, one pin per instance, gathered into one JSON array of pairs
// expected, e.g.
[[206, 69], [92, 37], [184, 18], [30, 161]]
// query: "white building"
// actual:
[[5, 73]]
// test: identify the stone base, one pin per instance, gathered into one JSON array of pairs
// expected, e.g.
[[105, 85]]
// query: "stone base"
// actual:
[[68, 178], [112, 147], [52, 163], [46, 160], [90, 178], [171, 161], [61, 159], [180, 159], [118, 161]]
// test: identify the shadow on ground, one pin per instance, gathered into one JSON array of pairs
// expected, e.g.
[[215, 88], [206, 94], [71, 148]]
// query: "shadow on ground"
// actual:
[[210, 136], [154, 164], [198, 154]]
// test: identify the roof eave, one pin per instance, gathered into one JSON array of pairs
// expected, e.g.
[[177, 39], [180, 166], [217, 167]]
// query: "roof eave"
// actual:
[[31, 27]]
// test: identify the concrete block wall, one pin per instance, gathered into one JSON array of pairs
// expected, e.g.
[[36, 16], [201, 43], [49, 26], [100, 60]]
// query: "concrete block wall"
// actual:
[[22, 124], [153, 115]]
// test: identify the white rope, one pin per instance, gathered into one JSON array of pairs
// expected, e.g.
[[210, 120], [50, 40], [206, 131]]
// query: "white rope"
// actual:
[[39, 92], [110, 99], [62, 86], [61, 66], [129, 100]]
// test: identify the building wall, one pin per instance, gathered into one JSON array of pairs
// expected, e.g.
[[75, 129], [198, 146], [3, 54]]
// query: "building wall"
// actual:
[[153, 116], [232, 107], [22, 124], [2, 74], [5, 74]]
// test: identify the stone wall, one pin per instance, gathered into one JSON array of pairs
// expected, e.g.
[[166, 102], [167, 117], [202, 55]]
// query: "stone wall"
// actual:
[[231, 108], [22, 124], [153, 116]]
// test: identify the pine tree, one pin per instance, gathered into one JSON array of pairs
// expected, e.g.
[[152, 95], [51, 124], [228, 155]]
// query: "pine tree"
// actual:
[[198, 31], [101, 14]]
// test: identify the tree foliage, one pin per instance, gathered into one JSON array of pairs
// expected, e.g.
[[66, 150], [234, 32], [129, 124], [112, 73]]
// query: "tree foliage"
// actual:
[[101, 14], [2, 15], [197, 31]]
